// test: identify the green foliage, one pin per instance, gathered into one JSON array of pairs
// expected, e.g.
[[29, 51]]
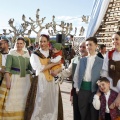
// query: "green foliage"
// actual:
[[52, 41], [32, 40]]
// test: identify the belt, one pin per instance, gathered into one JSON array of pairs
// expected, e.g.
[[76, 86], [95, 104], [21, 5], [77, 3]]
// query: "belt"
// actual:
[[86, 85], [16, 69]]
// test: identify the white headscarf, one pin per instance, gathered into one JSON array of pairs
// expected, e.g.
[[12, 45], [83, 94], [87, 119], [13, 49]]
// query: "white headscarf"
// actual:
[[24, 48]]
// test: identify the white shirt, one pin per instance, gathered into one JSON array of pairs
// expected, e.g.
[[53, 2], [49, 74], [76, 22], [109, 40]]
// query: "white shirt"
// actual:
[[76, 77], [87, 76], [90, 62], [104, 73], [104, 55], [4, 57], [67, 72], [35, 61], [96, 102], [107, 110]]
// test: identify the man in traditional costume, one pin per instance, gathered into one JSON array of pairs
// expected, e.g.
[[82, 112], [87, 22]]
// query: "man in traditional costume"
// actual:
[[86, 75], [4, 49]]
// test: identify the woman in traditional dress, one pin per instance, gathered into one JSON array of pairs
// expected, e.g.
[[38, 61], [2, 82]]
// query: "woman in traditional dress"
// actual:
[[44, 99], [111, 68], [16, 85]]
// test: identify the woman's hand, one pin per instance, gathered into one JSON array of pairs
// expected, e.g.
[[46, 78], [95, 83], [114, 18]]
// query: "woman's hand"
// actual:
[[57, 63], [55, 72], [2, 70], [8, 84], [49, 66]]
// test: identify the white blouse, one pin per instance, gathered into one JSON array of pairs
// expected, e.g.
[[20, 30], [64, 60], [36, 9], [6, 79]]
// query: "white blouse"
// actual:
[[104, 73], [35, 61]]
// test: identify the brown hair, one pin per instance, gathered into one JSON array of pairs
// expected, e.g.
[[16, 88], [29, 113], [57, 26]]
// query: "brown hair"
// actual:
[[21, 38], [46, 36], [102, 46], [71, 36], [94, 39], [104, 79], [118, 32]]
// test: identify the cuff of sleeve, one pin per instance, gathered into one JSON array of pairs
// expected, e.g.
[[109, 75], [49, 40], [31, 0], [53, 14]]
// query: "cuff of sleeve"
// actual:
[[39, 70], [96, 97], [77, 89], [7, 70]]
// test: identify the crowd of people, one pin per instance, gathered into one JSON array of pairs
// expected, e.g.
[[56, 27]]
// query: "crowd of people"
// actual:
[[95, 91]]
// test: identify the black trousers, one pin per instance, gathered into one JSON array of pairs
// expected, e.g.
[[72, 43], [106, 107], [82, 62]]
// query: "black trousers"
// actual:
[[107, 116], [87, 111], [76, 113]]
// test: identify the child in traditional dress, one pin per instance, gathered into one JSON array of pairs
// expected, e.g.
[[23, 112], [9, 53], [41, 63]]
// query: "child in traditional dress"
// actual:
[[103, 99], [56, 57]]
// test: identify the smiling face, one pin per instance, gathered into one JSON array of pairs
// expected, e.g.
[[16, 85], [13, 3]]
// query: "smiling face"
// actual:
[[91, 47], [82, 49], [44, 43], [116, 41], [104, 86]]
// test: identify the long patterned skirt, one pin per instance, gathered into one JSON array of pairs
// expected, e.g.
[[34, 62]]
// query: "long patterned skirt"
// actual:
[[44, 100], [12, 102]]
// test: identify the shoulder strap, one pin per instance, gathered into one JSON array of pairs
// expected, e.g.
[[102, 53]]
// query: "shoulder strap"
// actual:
[[39, 54]]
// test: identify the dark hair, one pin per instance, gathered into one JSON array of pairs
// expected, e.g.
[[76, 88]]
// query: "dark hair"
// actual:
[[102, 46], [104, 79], [71, 36], [118, 32], [46, 36], [94, 39], [21, 38]]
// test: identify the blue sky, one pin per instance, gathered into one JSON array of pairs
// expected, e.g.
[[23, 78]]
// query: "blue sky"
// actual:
[[66, 10]]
